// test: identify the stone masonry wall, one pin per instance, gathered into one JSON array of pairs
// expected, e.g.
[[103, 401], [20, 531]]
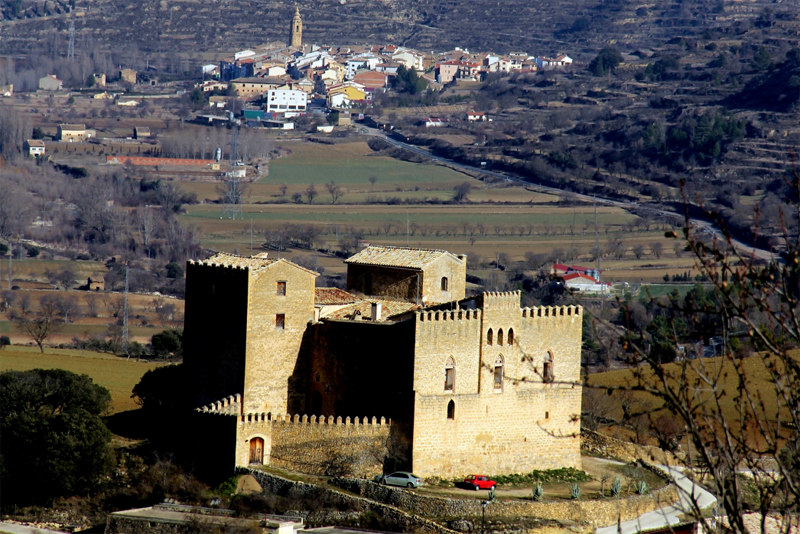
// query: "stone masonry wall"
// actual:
[[455, 270], [272, 353], [522, 425], [601, 512], [313, 446]]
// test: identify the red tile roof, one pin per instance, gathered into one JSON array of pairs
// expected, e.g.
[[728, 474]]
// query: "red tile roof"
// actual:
[[578, 276], [389, 309], [332, 296]]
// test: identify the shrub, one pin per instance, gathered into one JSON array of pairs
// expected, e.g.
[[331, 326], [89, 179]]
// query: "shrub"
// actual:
[[575, 493], [538, 492], [4, 342], [616, 487], [641, 488]]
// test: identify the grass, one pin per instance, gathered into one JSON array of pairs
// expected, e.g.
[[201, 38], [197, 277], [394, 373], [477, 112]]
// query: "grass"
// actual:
[[547, 476], [112, 372], [351, 163]]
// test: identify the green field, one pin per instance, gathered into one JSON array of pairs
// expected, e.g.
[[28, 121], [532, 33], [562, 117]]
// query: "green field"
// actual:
[[351, 163], [115, 373]]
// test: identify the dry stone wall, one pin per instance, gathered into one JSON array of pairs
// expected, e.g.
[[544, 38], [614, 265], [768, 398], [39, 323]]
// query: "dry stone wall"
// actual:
[[607, 447]]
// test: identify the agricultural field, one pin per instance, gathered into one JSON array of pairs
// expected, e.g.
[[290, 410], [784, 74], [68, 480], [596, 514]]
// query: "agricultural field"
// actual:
[[498, 219], [144, 317], [115, 373]]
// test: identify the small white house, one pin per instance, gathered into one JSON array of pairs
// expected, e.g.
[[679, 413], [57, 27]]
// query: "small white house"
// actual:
[[35, 147], [50, 83]]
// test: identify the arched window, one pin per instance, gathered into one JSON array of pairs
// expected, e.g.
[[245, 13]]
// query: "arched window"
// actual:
[[510, 336], [547, 368], [498, 373], [450, 374], [500, 337], [489, 337], [451, 410], [444, 283]]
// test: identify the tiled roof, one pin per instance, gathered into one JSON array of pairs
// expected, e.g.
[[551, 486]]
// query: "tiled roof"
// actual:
[[332, 296], [257, 262], [389, 309], [408, 258], [72, 127], [577, 277]]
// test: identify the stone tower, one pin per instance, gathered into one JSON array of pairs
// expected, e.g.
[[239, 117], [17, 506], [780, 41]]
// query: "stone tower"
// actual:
[[297, 29]]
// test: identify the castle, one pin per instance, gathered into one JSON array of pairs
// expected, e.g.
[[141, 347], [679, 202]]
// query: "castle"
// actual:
[[403, 361]]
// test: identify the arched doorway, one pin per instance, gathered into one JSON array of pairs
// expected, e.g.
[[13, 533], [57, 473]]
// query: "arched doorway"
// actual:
[[316, 403], [256, 451]]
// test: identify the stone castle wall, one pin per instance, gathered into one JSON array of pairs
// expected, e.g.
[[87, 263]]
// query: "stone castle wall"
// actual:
[[272, 353], [522, 425], [314, 445]]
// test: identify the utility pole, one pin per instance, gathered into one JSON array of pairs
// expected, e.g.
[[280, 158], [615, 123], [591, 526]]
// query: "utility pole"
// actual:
[[407, 227], [125, 315], [71, 47], [251, 236], [10, 261]]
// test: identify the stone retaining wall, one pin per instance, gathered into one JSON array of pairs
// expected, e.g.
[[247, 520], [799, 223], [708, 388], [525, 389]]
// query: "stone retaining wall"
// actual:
[[291, 488], [596, 444], [601, 512]]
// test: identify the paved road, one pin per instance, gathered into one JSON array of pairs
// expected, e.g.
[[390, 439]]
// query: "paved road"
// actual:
[[700, 226], [669, 515], [13, 528]]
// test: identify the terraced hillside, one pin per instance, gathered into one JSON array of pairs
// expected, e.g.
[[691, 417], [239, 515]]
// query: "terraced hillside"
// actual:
[[189, 27]]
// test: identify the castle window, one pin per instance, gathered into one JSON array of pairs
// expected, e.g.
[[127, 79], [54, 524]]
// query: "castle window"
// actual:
[[444, 283], [281, 292], [500, 337], [489, 337], [510, 336], [498, 374], [280, 321], [450, 375], [547, 369], [451, 410]]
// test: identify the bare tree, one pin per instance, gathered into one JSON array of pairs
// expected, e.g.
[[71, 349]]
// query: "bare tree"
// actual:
[[92, 301], [334, 190], [311, 193], [657, 248], [41, 325]]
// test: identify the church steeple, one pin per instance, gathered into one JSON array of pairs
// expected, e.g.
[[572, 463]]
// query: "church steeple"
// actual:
[[297, 29]]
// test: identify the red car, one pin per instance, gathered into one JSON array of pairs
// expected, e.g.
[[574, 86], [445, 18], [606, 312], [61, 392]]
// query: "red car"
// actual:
[[479, 482]]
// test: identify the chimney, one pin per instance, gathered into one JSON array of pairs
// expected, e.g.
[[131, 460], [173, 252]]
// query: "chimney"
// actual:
[[376, 311]]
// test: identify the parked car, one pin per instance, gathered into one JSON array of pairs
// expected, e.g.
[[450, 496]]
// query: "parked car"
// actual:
[[401, 478], [479, 482]]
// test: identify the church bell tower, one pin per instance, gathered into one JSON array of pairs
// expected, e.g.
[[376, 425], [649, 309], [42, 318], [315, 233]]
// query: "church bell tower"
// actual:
[[297, 29]]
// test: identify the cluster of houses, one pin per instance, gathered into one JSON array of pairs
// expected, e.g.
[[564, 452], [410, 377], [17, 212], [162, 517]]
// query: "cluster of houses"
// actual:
[[286, 80]]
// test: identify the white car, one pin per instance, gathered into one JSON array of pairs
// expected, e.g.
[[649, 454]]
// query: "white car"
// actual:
[[401, 478]]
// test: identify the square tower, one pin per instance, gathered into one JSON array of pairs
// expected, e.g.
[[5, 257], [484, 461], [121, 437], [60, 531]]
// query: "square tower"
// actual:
[[417, 275]]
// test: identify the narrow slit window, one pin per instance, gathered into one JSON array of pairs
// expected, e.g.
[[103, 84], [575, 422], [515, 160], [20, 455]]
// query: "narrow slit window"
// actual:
[[547, 369], [451, 410], [489, 337], [510, 336], [450, 375], [500, 337], [281, 292], [444, 283], [498, 374], [280, 321]]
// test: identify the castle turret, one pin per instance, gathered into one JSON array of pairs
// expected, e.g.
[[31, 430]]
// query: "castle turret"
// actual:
[[297, 29]]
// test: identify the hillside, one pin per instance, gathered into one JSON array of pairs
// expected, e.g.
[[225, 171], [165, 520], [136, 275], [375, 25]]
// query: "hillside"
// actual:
[[188, 27]]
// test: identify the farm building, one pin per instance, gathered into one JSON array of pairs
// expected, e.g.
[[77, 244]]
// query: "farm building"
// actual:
[[454, 384], [50, 83]]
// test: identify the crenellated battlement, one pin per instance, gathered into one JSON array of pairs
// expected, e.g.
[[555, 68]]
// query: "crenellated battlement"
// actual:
[[230, 405], [547, 312], [447, 315], [260, 418], [501, 300]]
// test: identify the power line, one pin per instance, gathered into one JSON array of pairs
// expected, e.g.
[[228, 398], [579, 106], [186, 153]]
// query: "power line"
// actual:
[[71, 48], [233, 185]]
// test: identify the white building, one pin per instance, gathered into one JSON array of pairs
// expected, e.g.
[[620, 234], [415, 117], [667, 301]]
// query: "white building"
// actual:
[[35, 147], [286, 100]]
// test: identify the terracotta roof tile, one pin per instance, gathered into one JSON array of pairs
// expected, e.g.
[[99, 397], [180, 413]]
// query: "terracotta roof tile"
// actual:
[[408, 258], [257, 262], [332, 296]]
